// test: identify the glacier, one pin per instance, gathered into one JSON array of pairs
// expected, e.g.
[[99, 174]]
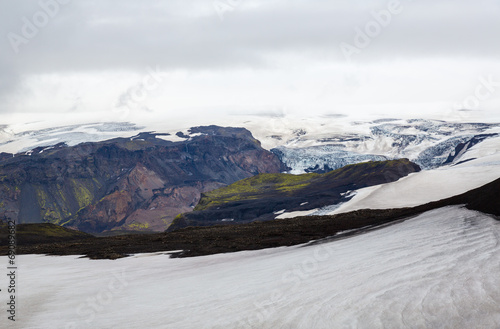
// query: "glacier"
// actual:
[[315, 144], [429, 143], [321, 159]]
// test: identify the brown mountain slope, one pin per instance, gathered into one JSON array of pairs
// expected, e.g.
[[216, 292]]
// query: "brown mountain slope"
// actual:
[[135, 184]]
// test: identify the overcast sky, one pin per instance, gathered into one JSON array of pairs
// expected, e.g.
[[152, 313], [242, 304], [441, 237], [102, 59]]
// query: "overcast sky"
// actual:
[[250, 56]]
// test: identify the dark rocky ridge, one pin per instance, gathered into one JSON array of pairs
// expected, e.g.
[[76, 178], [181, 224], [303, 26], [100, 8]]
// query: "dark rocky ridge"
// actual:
[[197, 241], [34, 234], [260, 197], [138, 183]]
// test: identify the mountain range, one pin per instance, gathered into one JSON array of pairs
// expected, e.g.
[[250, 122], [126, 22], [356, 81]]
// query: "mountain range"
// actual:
[[138, 183], [210, 175]]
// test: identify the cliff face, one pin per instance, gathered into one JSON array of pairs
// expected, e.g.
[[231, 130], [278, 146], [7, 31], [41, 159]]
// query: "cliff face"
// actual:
[[138, 183]]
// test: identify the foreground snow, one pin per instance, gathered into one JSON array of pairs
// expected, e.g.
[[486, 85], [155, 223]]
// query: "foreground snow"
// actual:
[[438, 270]]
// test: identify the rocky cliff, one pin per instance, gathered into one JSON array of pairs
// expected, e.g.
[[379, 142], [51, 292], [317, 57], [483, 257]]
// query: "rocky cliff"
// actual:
[[139, 183]]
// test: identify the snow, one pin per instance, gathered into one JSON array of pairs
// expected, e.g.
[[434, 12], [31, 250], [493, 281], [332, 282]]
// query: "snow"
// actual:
[[22, 138], [481, 168], [171, 138], [293, 214], [318, 143], [432, 185], [486, 148], [438, 270]]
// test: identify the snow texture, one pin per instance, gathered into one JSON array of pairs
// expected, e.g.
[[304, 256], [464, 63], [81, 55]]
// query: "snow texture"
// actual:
[[438, 270]]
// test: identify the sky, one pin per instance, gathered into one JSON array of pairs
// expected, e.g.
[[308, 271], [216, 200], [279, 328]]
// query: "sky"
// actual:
[[267, 57]]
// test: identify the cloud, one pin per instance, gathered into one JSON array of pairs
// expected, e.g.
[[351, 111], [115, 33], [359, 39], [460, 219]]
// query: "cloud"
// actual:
[[99, 35], [268, 37]]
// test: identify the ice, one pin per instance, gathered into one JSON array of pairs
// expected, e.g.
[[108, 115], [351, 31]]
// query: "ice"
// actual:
[[438, 270], [426, 186], [318, 157]]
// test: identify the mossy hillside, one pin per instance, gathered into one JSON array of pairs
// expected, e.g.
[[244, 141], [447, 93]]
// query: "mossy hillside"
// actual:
[[50, 211], [49, 230], [364, 169], [59, 202], [283, 185], [254, 187], [138, 226], [84, 191], [7, 193], [136, 144], [41, 233]]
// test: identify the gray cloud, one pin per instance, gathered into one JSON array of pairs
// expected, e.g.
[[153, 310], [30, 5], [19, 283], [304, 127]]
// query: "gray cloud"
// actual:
[[103, 35]]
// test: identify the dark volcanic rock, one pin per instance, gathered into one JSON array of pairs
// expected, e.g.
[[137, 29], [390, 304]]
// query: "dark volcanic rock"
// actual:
[[260, 197], [138, 183], [34, 234]]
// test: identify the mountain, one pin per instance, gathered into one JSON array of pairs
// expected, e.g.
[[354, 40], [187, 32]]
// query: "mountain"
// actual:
[[196, 241], [77, 178], [415, 262], [123, 184], [265, 196], [313, 144]]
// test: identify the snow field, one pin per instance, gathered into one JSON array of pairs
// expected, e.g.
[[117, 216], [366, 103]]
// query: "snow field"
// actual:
[[437, 270]]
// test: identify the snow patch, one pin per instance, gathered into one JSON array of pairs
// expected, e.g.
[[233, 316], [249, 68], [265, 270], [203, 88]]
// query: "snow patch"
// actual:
[[293, 214]]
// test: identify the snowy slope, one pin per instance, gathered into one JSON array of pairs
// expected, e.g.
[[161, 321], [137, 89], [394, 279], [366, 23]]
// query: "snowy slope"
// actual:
[[477, 167], [17, 140], [439, 270], [481, 165]]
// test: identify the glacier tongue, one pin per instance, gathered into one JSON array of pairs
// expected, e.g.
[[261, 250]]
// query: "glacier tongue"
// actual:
[[321, 158]]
